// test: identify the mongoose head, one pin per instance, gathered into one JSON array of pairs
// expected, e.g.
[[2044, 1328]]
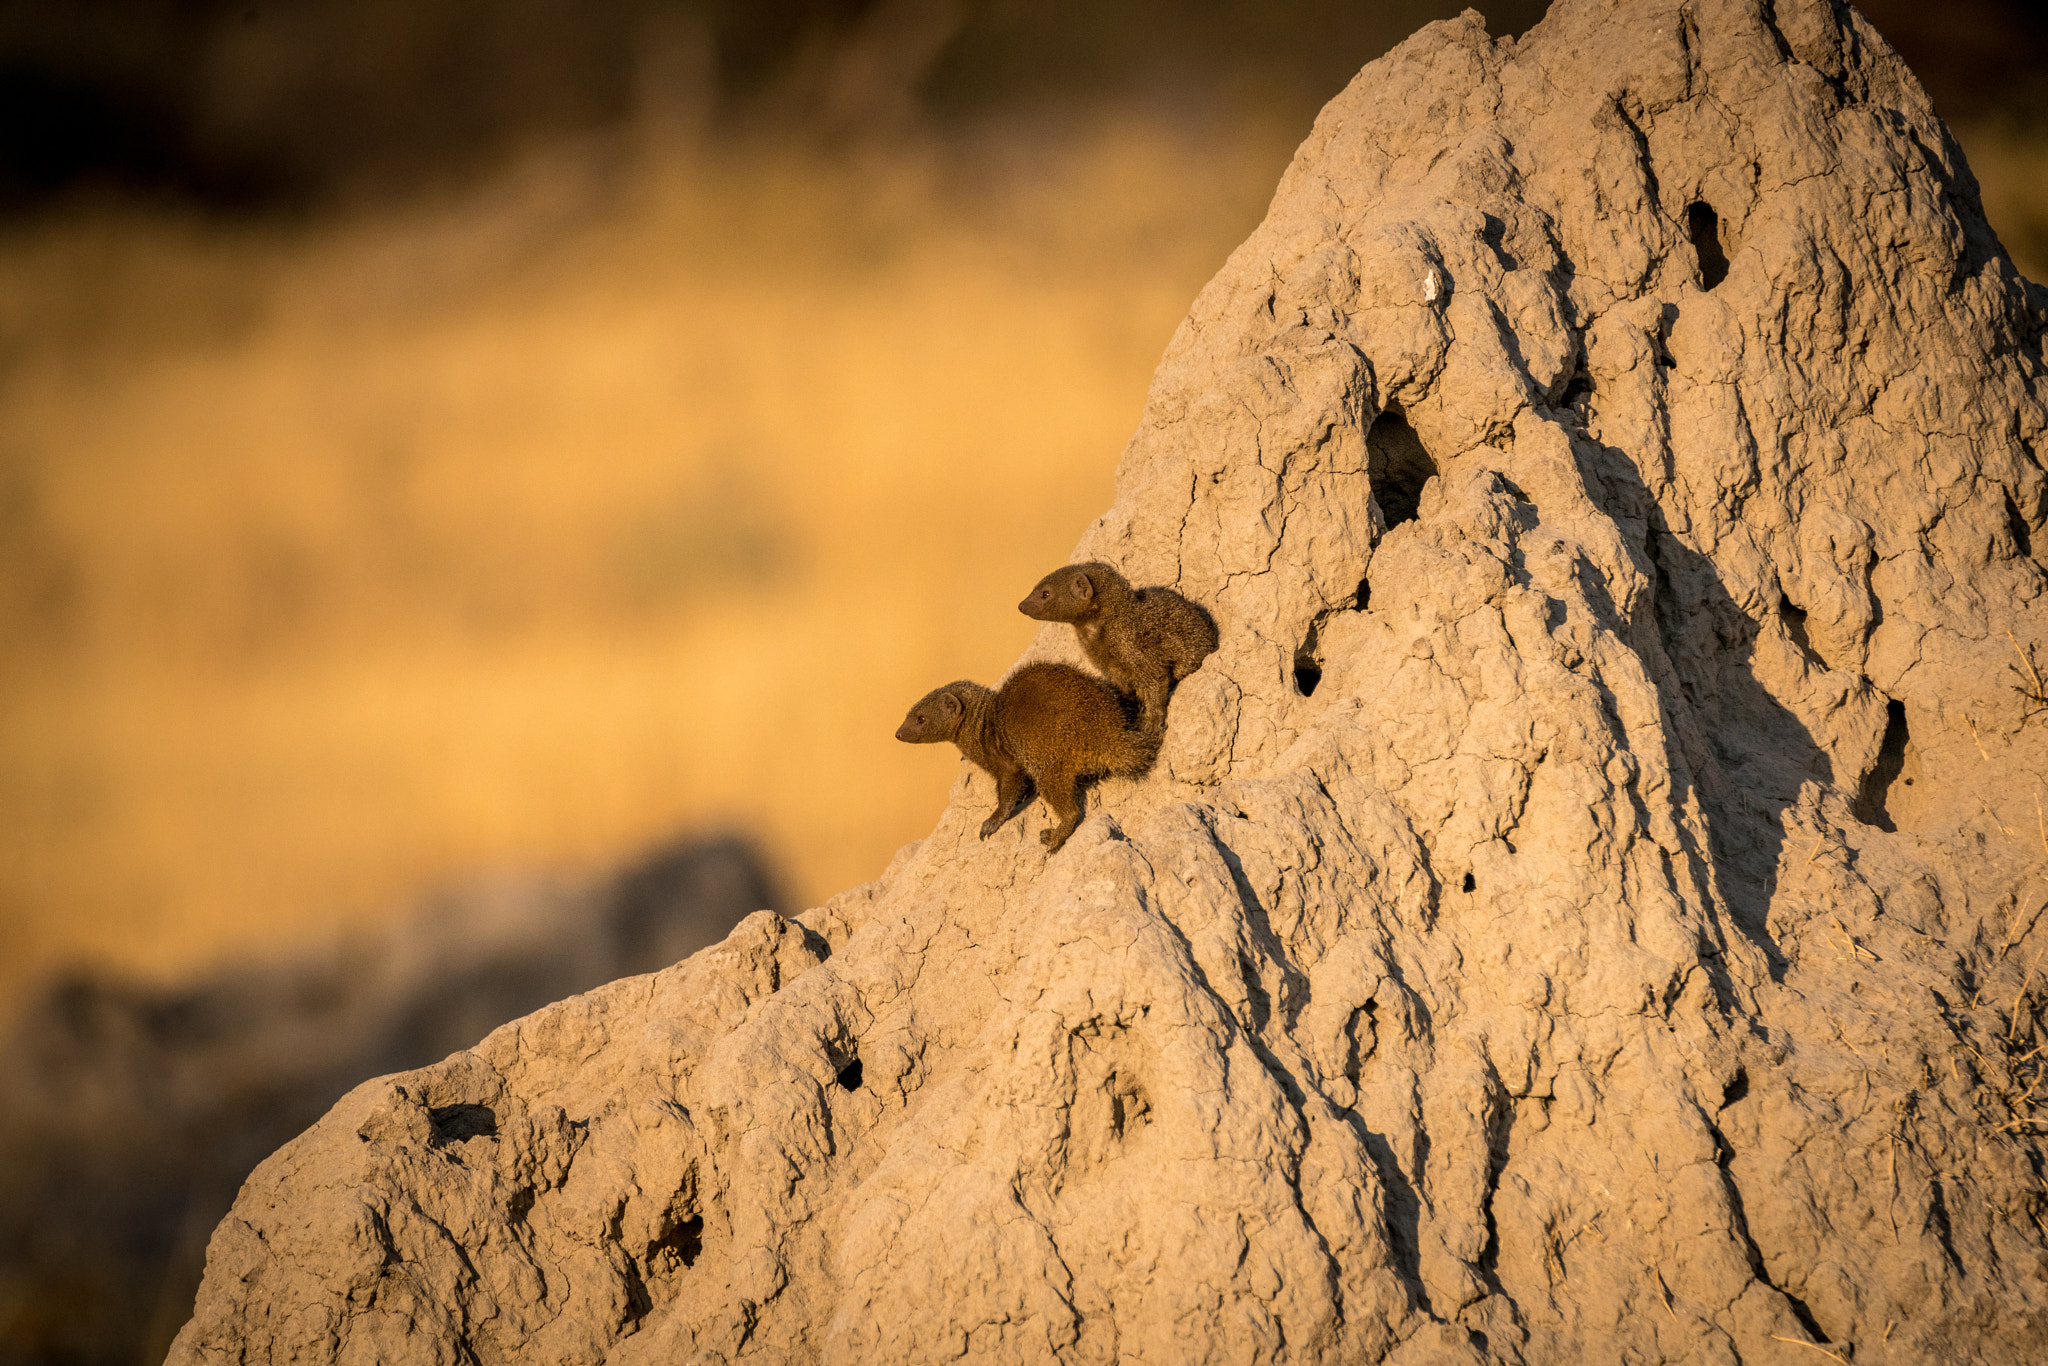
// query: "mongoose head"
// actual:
[[937, 715], [1070, 594]]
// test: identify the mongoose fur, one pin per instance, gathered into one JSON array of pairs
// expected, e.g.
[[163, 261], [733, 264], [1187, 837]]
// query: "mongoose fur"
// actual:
[[1049, 726], [1144, 640]]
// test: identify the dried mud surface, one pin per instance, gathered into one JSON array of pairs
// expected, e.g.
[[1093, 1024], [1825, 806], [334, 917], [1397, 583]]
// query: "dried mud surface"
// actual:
[[1584, 911]]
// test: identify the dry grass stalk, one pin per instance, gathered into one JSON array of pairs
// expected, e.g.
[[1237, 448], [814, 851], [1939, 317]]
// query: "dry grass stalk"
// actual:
[[2004, 829], [2013, 935], [1975, 739], [1855, 948], [1889, 1324], [2025, 982], [1816, 1347], [2037, 693], [1890, 1205], [1667, 1293]]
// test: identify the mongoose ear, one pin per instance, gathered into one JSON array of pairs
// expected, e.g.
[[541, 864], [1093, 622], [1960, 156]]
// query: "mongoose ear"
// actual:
[[1083, 587], [949, 703]]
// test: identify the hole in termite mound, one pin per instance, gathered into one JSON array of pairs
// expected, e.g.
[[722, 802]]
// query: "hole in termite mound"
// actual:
[[1470, 883], [684, 1243], [1874, 793], [849, 1076], [1308, 656], [456, 1123], [1308, 663], [1703, 225], [1398, 467]]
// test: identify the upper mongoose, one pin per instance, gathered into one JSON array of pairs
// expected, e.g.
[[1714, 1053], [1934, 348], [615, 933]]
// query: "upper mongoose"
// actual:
[[1144, 640], [1050, 725]]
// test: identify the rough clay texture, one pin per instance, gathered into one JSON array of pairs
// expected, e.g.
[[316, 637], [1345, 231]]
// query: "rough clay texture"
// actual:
[[1596, 966]]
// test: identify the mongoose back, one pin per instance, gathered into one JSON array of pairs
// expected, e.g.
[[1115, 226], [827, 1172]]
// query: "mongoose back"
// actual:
[[1049, 726], [1144, 640]]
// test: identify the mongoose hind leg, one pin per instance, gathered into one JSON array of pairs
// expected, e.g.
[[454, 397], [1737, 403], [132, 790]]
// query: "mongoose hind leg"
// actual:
[[1013, 786], [1062, 794]]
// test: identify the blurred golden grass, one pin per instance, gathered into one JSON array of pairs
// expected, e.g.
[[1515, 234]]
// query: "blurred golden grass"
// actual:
[[632, 495], [641, 491], [2011, 164]]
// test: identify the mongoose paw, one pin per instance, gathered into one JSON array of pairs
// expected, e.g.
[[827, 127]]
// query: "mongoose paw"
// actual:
[[1052, 840], [990, 826]]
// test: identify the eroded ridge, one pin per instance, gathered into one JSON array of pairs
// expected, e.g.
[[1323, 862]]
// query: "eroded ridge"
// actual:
[[1582, 910]]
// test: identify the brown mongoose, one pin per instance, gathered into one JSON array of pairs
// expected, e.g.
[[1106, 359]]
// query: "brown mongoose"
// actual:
[[1144, 640], [1049, 726]]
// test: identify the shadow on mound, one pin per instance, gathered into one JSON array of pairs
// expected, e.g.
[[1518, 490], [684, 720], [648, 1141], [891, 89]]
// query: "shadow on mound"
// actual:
[[1746, 752], [130, 1115]]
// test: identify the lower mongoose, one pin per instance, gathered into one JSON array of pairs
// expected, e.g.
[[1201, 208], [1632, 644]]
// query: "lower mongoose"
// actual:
[[1144, 640], [1049, 726]]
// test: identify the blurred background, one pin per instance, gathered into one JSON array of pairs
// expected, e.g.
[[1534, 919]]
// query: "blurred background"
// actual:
[[471, 468]]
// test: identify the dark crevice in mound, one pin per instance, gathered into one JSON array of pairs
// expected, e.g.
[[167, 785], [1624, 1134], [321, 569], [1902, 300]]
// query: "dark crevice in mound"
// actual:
[[1500, 1119], [1937, 1214], [1572, 386], [1724, 1156], [685, 1240], [1794, 617], [1660, 341], [1703, 225], [1494, 233], [849, 1076], [1873, 794], [1578, 391], [1130, 1109], [1398, 466], [454, 1123], [681, 1244], [1737, 1088], [2016, 525], [1768, 12]]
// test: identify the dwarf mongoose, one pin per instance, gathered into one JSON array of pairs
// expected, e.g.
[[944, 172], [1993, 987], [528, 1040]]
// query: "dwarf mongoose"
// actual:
[[1050, 726], [1144, 640]]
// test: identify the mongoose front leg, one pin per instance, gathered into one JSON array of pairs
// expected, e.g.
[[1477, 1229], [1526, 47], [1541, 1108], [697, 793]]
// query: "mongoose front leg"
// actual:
[[1060, 794], [1012, 784]]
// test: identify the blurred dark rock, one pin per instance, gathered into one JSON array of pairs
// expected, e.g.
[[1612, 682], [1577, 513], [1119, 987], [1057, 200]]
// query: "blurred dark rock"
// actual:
[[130, 1114]]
